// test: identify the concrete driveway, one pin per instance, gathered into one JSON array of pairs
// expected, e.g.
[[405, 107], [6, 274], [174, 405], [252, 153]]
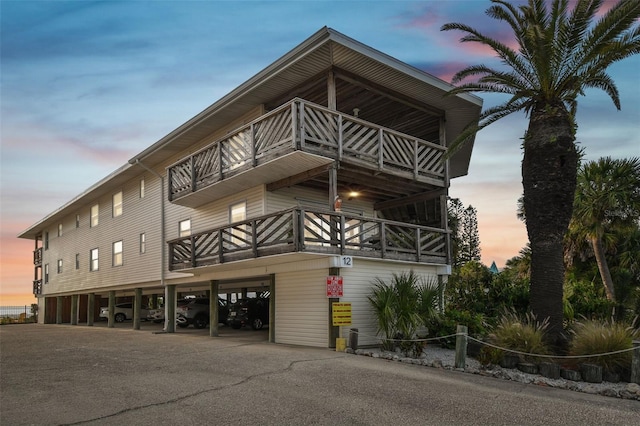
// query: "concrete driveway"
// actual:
[[62, 374]]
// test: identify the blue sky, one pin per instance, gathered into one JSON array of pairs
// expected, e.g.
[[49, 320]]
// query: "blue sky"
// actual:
[[88, 84]]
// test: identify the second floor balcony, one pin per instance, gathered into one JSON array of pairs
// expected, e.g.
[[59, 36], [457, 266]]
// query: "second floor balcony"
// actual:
[[295, 138], [298, 230]]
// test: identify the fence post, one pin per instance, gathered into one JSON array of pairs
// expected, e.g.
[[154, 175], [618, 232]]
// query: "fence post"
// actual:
[[635, 363], [461, 346]]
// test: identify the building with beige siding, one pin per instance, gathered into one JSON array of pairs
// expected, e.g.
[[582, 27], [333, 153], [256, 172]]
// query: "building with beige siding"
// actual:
[[332, 161]]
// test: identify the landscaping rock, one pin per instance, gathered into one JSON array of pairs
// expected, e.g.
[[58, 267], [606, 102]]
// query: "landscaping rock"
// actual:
[[527, 367], [570, 374], [549, 369], [591, 373], [509, 361]]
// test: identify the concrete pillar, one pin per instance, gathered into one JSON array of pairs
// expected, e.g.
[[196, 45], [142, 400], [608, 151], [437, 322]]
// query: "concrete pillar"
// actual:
[[137, 304], [272, 308], [334, 331], [154, 301], [59, 310], [91, 306], [170, 308], [74, 309], [214, 289], [112, 308]]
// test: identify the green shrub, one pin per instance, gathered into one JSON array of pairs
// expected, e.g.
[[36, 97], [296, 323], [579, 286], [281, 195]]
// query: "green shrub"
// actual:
[[522, 334], [447, 324], [401, 307], [599, 337]]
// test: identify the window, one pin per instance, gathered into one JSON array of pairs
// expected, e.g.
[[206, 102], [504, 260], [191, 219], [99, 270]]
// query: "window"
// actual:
[[94, 215], [141, 188], [117, 204], [77, 221], [93, 255], [46, 240], [77, 260], [238, 213], [184, 228], [117, 253], [59, 230], [46, 273], [59, 266], [143, 243]]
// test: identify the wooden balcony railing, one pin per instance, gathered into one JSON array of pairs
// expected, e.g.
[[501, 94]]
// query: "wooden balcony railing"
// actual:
[[37, 287], [300, 230], [37, 256], [301, 125]]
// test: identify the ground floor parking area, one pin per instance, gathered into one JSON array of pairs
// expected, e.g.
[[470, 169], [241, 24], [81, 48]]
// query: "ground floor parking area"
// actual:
[[63, 374]]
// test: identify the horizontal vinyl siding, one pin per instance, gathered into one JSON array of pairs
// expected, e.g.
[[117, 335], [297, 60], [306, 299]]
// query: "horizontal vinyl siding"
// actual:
[[358, 284], [287, 198], [140, 215], [302, 308]]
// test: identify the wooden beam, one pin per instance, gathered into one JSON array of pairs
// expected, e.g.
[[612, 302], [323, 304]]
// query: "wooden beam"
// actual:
[[386, 92], [299, 178], [424, 196]]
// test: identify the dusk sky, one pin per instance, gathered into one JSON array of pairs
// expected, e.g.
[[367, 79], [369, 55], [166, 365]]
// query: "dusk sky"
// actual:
[[87, 85]]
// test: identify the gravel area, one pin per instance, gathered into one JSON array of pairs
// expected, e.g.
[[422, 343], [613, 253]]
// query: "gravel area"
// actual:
[[438, 357]]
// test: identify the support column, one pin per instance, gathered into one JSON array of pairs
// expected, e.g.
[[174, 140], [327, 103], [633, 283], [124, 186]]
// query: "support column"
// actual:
[[137, 304], [334, 331], [74, 309], [331, 91], [112, 309], [91, 303], [154, 301], [214, 307], [272, 308], [244, 292], [59, 310], [170, 308]]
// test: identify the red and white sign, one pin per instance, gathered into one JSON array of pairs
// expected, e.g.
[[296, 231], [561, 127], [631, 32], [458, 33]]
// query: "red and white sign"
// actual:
[[334, 286]]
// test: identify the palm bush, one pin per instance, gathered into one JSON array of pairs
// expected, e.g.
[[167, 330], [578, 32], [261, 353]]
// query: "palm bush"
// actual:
[[401, 307], [522, 334], [592, 337]]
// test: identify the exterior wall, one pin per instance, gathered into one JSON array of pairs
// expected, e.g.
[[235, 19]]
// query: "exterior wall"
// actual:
[[358, 283], [283, 199], [140, 215]]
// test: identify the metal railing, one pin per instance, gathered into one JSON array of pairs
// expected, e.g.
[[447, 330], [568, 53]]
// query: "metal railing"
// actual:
[[313, 231], [301, 125]]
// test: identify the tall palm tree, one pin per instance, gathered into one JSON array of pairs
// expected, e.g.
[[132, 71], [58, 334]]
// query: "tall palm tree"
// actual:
[[607, 196], [561, 52]]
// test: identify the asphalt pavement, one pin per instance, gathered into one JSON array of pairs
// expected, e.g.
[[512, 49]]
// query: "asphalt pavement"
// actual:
[[63, 375]]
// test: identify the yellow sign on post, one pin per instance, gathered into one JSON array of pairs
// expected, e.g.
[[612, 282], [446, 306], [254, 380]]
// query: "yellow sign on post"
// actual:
[[341, 313]]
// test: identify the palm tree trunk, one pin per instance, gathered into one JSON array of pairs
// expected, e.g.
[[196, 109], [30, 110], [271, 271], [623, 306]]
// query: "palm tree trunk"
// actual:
[[603, 267], [549, 170]]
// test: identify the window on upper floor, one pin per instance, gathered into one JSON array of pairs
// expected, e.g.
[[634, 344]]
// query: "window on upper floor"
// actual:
[[141, 188], [59, 230], [143, 243], [77, 221], [93, 256], [46, 240], [238, 213], [117, 204], [184, 228], [46, 273], [95, 210], [77, 260], [117, 253], [59, 266]]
